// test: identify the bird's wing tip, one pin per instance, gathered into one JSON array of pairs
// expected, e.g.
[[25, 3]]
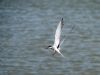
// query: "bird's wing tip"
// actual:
[[62, 19], [62, 22]]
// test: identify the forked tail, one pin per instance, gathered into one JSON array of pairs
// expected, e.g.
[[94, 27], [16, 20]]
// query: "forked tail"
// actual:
[[60, 53]]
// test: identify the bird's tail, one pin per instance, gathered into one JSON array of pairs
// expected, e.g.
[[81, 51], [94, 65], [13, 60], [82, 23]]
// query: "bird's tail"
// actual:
[[60, 53]]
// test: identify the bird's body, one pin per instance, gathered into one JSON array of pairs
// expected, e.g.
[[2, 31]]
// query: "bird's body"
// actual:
[[57, 41]]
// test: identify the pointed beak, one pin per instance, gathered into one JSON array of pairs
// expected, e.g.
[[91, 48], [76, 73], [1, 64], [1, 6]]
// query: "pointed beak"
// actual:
[[46, 47]]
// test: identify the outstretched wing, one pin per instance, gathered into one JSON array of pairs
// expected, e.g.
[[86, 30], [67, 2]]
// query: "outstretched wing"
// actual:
[[58, 33], [60, 43]]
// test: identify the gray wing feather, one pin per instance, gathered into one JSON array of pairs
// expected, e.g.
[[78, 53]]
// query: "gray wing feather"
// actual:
[[58, 33]]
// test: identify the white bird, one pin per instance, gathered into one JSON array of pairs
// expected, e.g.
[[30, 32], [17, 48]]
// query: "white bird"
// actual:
[[57, 42]]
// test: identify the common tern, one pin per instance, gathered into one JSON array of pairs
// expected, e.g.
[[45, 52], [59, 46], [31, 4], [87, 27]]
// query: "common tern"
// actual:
[[57, 41]]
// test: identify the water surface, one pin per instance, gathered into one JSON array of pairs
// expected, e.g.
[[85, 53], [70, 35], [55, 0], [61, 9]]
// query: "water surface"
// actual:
[[28, 26]]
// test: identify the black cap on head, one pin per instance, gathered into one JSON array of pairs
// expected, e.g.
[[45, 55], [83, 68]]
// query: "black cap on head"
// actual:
[[48, 46]]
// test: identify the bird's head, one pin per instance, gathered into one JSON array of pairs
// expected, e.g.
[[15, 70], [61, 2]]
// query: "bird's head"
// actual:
[[49, 47]]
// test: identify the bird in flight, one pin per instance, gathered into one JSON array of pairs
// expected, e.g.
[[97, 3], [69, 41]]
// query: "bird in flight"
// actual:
[[57, 41]]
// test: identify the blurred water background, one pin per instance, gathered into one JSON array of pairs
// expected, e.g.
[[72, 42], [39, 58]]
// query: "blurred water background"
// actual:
[[28, 26]]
